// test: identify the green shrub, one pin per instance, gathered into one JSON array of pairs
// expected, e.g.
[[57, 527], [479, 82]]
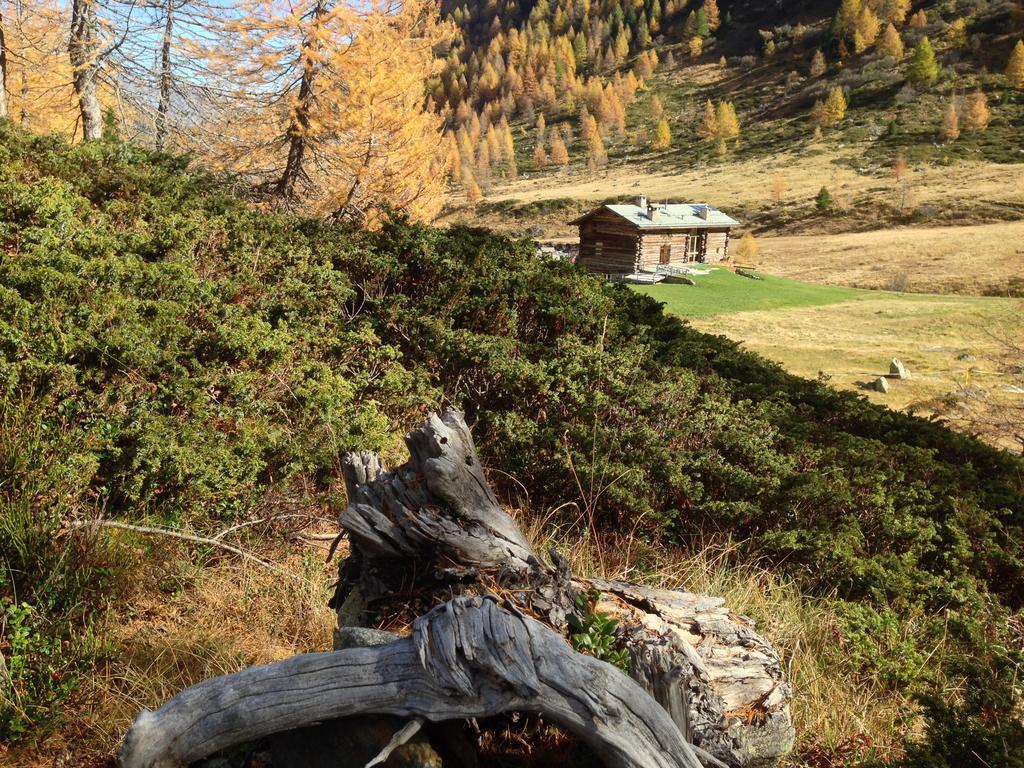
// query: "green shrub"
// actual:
[[173, 354]]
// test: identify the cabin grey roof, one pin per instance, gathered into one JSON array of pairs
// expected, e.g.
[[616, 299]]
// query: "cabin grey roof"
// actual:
[[670, 215]]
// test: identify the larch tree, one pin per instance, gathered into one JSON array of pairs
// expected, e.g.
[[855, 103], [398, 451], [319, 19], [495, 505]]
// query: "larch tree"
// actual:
[[712, 14], [956, 33], [779, 188], [818, 64], [657, 108], [748, 248], [540, 157], [891, 44], [36, 68], [845, 22], [708, 127], [923, 67], [1015, 67], [696, 46], [834, 108], [920, 19], [85, 52], [866, 29], [328, 109], [893, 11], [3, 69], [728, 122], [559, 152], [977, 112], [950, 129], [899, 167], [662, 135]]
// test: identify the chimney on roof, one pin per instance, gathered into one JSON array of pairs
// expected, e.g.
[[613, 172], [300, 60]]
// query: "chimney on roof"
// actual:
[[642, 202]]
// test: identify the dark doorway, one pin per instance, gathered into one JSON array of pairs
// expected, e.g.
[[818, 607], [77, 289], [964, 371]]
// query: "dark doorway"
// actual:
[[666, 254]]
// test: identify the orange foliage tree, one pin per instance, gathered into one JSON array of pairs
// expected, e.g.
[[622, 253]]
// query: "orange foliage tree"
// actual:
[[325, 107]]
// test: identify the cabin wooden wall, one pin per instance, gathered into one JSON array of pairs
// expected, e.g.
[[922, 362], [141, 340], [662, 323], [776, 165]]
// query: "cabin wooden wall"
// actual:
[[607, 245], [610, 245], [718, 246], [713, 249]]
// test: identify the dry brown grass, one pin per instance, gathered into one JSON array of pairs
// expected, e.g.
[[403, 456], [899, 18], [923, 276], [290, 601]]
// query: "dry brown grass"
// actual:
[[963, 260], [854, 341], [185, 619], [836, 710], [743, 185]]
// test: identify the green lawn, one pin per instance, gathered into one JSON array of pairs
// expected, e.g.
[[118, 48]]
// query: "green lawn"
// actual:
[[723, 292]]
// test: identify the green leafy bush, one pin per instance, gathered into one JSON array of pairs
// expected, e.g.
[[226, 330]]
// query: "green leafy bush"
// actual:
[[593, 632]]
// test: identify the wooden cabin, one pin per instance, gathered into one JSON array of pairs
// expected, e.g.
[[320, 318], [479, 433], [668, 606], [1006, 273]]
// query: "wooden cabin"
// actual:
[[641, 237]]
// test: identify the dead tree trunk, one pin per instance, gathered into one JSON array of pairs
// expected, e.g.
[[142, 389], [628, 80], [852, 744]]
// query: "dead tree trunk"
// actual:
[[430, 538], [3, 69], [433, 527], [465, 658]]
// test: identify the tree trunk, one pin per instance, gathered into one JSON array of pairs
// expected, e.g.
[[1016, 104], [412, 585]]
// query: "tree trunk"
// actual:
[[298, 127], [83, 48], [467, 658], [703, 688], [164, 105], [433, 527], [3, 70]]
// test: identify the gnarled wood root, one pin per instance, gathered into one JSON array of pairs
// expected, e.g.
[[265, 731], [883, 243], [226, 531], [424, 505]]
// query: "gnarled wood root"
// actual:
[[433, 526], [465, 658]]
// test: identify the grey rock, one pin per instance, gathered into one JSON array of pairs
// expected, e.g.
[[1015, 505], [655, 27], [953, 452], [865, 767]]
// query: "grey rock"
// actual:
[[881, 385], [966, 358], [361, 637], [897, 370]]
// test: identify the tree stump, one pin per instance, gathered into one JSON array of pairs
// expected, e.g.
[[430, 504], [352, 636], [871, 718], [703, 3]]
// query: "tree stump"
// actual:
[[433, 527], [432, 548]]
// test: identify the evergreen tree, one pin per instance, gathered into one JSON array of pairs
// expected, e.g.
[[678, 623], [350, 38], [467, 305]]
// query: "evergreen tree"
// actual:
[[701, 28], [823, 200], [923, 67]]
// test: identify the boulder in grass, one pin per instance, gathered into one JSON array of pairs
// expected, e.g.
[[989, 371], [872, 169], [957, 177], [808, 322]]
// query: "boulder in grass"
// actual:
[[881, 385], [897, 370]]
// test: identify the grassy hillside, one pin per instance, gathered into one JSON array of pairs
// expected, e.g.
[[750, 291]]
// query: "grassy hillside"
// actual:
[[174, 357]]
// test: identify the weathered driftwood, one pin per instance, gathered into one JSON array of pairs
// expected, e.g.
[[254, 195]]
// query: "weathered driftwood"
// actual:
[[433, 527], [465, 658]]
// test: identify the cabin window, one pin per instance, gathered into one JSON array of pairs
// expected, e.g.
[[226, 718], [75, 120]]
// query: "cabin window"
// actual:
[[598, 248], [666, 253]]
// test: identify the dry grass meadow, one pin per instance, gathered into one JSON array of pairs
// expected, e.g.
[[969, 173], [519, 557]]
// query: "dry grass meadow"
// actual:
[[979, 259], [947, 342]]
